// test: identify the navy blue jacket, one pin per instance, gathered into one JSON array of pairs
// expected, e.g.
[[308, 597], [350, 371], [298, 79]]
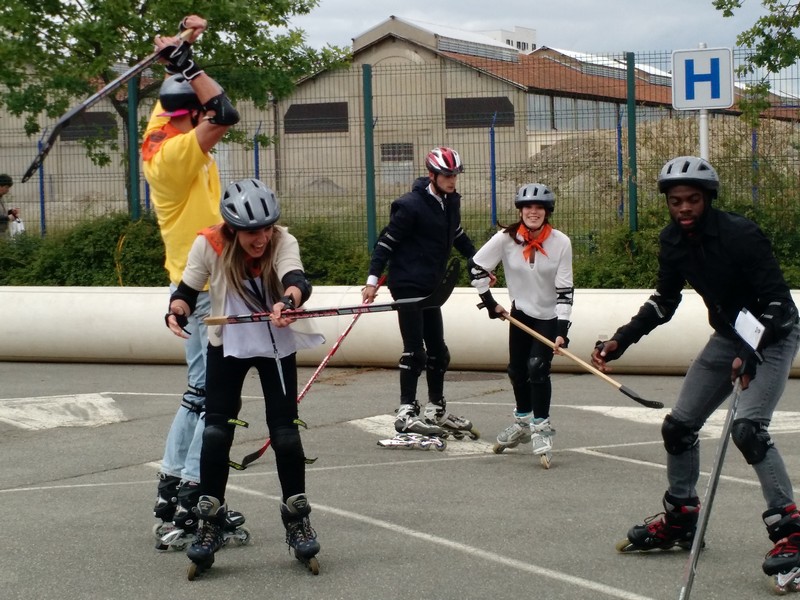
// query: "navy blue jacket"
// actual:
[[417, 242]]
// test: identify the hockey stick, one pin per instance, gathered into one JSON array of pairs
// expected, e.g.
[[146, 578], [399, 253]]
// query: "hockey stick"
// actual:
[[624, 389], [65, 119], [253, 456], [438, 297], [705, 507]]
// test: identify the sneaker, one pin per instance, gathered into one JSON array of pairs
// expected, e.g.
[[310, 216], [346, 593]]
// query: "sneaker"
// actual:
[[542, 436], [407, 421]]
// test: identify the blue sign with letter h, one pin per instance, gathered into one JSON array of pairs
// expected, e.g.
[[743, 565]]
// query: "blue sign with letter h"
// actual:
[[713, 78]]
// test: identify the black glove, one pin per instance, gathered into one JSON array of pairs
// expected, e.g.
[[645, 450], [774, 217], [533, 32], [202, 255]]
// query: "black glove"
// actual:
[[288, 302], [750, 361], [182, 320], [179, 60], [561, 331], [490, 304], [600, 346]]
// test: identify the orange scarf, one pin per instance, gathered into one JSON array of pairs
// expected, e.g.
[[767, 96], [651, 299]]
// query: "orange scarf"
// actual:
[[533, 241], [217, 241]]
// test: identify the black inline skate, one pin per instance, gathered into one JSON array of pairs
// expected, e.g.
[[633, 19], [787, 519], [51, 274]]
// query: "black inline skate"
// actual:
[[782, 562], [300, 536], [166, 504], [210, 536], [674, 527]]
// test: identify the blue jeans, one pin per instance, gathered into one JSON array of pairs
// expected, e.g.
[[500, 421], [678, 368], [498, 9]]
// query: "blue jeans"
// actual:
[[185, 437], [705, 388]]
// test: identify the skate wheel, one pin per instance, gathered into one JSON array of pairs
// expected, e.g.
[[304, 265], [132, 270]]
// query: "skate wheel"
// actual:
[[193, 571], [498, 448], [242, 536], [313, 565], [474, 434], [545, 460], [625, 546]]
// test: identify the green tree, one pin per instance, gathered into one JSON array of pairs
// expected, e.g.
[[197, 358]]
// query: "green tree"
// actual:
[[55, 53], [773, 37]]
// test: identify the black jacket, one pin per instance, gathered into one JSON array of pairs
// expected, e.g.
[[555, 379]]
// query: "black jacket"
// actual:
[[417, 242], [731, 265]]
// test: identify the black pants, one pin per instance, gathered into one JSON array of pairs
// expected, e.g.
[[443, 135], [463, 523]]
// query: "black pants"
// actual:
[[423, 335], [531, 395], [224, 380]]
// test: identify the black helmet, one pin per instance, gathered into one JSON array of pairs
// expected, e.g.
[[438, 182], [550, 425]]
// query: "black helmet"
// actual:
[[248, 205], [535, 193], [444, 161], [176, 94], [688, 170]]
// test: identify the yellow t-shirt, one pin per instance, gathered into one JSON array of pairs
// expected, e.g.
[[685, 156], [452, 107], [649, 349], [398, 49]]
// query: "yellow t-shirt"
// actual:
[[184, 188]]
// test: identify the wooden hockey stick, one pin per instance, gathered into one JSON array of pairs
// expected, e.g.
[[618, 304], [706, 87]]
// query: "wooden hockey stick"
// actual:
[[625, 390], [434, 300], [65, 119]]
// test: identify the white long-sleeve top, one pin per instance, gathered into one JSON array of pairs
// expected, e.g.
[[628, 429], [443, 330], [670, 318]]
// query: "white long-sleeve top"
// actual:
[[542, 290]]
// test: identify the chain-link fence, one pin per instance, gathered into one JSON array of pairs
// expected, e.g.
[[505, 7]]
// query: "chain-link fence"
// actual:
[[346, 143]]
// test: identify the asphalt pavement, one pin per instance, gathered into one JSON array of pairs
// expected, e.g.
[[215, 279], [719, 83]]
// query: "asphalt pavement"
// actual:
[[80, 445]]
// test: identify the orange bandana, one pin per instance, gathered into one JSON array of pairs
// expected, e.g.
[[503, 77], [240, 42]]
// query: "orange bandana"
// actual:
[[533, 241]]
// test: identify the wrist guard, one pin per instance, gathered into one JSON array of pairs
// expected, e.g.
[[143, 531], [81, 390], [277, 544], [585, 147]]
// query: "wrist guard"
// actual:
[[562, 329], [182, 321], [288, 302], [490, 304], [179, 60]]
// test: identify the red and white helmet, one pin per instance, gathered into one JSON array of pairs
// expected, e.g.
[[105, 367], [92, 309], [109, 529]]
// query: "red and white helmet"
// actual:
[[444, 161]]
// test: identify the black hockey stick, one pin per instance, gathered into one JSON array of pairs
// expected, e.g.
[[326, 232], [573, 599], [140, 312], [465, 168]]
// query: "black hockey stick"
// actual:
[[624, 389], [705, 507], [65, 119], [438, 297]]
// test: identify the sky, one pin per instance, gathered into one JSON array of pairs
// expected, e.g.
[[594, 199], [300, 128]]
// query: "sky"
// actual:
[[593, 26]]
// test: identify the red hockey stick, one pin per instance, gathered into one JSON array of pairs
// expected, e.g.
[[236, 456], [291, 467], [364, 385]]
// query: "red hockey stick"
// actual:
[[253, 456]]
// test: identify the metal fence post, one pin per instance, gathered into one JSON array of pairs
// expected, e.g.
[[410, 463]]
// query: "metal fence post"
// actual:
[[133, 149], [369, 156], [633, 199]]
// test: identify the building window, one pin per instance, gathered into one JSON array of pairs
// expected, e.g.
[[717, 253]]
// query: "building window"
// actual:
[[397, 163], [321, 117], [397, 152], [90, 125], [462, 113]]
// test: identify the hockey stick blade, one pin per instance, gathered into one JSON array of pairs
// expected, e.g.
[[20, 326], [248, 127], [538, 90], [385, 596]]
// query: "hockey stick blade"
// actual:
[[438, 297], [67, 117], [636, 397]]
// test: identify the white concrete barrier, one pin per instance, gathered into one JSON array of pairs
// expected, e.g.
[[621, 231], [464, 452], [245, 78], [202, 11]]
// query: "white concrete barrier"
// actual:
[[126, 325]]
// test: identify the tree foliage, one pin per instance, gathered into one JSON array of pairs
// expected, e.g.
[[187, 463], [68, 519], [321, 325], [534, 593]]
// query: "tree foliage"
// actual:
[[55, 53], [773, 37]]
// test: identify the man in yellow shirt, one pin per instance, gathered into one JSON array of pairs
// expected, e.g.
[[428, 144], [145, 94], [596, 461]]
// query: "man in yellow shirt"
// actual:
[[190, 118]]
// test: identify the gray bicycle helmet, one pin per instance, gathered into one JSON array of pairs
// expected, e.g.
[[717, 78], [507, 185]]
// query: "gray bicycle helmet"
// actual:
[[535, 193], [176, 94], [248, 205], [689, 170]]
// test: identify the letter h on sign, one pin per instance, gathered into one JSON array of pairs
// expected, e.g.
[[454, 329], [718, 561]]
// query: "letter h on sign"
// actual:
[[702, 78]]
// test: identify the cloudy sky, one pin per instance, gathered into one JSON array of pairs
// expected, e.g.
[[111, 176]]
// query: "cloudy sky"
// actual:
[[582, 25]]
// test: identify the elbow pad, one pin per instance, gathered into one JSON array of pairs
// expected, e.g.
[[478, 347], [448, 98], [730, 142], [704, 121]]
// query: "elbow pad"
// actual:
[[299, 280], [224, 112]]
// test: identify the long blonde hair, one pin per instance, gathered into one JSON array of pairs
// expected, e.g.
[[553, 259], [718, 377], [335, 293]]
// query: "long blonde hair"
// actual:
[[238, 266]]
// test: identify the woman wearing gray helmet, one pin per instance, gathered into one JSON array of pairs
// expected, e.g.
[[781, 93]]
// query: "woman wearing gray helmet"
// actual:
[[729, 262], [537, 262], [251, 265]]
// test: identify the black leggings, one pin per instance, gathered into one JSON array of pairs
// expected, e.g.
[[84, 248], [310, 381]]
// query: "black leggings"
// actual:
[[531, 395], [224, 380], [423, 335]]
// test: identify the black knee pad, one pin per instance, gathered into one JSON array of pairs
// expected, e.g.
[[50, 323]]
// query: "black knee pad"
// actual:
[[678, 438], [538, 370], [286, 442], [413, 361], [218, 434], [752, 439], [438, 363]]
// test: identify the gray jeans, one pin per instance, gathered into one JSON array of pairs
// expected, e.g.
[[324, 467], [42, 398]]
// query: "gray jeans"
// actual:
[[705, 388]]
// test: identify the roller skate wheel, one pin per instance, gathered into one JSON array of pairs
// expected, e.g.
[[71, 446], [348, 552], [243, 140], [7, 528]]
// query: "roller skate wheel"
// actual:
[[193, 571], [545, 460], [313, 565], [625, 546], [242, 536], [498, 448], [780, 586], [474, 434]]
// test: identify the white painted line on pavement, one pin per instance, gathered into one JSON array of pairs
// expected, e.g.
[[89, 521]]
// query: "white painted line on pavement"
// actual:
[[47, 412]]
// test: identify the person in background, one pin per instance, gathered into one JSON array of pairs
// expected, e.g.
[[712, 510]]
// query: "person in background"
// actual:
[[730, 263], [189, 119], [252, 265], [537, 262], [424, 226], [7, 215]]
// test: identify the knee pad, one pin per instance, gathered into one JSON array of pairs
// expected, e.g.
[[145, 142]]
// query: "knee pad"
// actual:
[[538, 370], [286, 442], [438, 363], [752, 439], [678, 438], [413, 361], [218, 434]]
